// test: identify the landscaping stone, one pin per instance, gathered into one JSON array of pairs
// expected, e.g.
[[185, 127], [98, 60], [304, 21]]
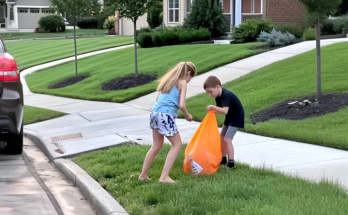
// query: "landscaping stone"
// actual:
[[129, 82], [304, 107], [67, 82]]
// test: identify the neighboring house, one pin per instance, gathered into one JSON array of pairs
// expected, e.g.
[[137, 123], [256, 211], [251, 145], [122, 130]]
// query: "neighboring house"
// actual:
[[23, 14], [126, 26], [236, 11]]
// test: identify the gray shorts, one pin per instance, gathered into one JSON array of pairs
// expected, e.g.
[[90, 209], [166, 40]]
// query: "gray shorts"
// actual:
[[228, 132]]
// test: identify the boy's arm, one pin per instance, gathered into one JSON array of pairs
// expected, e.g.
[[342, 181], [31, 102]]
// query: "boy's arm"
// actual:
[[223, 110]]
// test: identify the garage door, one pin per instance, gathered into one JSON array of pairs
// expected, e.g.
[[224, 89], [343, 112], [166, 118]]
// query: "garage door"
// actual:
[[28, 18], [128, 26]]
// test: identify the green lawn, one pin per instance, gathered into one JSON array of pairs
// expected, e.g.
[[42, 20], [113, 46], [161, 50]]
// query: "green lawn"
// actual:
[[34, 114], [109, 66], [68, 32], [244, 191], [34, 52], [288, 79]]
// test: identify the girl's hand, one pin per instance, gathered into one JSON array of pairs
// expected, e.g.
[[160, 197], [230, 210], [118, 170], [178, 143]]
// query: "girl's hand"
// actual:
[[188, 117]]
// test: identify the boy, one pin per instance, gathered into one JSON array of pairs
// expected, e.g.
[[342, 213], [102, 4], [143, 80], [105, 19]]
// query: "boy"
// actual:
[[227, 103]]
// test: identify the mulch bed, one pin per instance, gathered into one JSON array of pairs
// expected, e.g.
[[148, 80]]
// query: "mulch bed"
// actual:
[[128, 82], [68, 82], [303, 107]]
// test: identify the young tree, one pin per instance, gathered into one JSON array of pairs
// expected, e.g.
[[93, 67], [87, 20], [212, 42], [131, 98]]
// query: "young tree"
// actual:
[[132, 9], [75, 10], [153, 14], [207, 14], [320, 9]]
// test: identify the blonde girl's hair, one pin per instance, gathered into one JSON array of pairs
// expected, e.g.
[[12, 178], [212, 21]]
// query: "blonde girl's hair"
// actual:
[[167, 81]]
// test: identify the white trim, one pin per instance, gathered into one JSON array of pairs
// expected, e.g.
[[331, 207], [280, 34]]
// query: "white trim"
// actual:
[[261, 7], [231, 11], [120, 26], [238, 13], [250, 14], [24, 6], [174, 9]]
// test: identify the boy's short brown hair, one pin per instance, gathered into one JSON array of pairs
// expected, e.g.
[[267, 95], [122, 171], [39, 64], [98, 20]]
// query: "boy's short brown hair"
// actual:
[[211, 81]]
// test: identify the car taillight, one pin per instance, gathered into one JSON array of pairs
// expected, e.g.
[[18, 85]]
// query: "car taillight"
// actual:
[[8, 68]]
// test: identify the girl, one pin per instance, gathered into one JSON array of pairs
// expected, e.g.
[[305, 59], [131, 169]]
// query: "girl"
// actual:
[[172, 87]]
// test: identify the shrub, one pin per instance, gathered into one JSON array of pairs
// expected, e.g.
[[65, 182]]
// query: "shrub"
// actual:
[[109, 23], [143, 30], [293, 29], [339, 23], [169, 37], [327, 26], [88, 23], [101, 19], [52, 23], [154, 18], [207, 14], [309, 34], [156, 38], [145, 40], [249, 30], [276, 38]]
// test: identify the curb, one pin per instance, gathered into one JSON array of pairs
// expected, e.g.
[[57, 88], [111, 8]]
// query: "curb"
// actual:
[[97, 196]]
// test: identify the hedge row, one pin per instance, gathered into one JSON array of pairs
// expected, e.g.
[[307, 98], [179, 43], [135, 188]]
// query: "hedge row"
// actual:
[[170, 36]]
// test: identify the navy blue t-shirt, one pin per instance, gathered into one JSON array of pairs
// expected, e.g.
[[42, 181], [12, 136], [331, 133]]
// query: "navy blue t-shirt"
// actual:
[[235, 115]]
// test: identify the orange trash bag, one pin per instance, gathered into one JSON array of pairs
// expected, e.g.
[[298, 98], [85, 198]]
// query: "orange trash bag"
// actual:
[[203, 153]]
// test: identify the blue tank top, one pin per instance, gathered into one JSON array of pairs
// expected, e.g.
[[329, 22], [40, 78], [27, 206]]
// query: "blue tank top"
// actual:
[[168, 102]]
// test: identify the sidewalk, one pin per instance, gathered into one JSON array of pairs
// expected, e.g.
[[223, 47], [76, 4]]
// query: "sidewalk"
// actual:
[[96, 125]]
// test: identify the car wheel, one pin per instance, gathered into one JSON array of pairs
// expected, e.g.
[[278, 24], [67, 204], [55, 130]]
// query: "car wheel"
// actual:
[[15, 146]]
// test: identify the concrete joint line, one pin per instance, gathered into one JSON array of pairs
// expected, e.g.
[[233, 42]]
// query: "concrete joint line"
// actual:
[[97, 196]]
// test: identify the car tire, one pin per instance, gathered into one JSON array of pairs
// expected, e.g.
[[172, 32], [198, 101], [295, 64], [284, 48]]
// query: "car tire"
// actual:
[[16, 145]]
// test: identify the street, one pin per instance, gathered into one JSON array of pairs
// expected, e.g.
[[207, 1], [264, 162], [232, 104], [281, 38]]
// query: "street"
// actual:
[[30, 184]]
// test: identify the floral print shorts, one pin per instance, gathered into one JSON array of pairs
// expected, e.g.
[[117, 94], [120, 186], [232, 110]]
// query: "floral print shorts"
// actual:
[[164, 123]]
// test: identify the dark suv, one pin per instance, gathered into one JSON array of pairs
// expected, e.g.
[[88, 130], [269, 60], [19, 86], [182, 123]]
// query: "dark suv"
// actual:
[[11, 103]]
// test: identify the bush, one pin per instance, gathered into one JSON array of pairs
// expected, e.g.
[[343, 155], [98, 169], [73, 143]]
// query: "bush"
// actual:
[[145, 40], [88, 23], [109, 23], [154, 18], [327, 26], [293, 29], [339, 23], [207, 14], [276, 38], [52, 23], [166, 36], [309, 34], [249, 30], [101, 19]]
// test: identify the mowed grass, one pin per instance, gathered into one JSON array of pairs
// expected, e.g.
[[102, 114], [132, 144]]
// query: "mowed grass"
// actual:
[[110, 66], [68, 32], [34, 52], [244, 191], [289, 79], [35, 114]]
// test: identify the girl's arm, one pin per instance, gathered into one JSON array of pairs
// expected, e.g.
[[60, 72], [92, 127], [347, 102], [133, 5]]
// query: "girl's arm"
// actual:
[[182, 102]]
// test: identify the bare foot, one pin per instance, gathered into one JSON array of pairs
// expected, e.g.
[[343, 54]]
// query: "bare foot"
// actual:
[[144, 178], [166, 180]]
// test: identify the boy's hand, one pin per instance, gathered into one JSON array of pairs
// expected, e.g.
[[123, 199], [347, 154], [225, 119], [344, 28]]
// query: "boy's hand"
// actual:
[[210, 107], [188, 117]]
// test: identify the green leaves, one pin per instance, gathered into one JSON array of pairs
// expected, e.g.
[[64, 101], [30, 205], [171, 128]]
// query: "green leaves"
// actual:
[[131, 9], [76, 9], [321, 8]]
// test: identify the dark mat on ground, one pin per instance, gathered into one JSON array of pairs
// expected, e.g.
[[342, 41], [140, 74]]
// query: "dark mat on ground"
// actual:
[[129, 82], [68, 82], [303, 107]]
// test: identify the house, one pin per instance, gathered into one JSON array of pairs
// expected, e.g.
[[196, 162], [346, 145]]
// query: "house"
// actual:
[[124, 26], [236, 11], [23, 14]]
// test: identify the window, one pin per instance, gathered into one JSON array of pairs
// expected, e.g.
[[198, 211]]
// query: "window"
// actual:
[[23, 10], [252, 6], [34, 10], [46, 10], [11, 14], [173, 6]]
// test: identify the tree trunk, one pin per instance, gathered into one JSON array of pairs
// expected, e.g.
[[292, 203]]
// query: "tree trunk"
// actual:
[[317, 27], [135, 48], [75, 50]]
